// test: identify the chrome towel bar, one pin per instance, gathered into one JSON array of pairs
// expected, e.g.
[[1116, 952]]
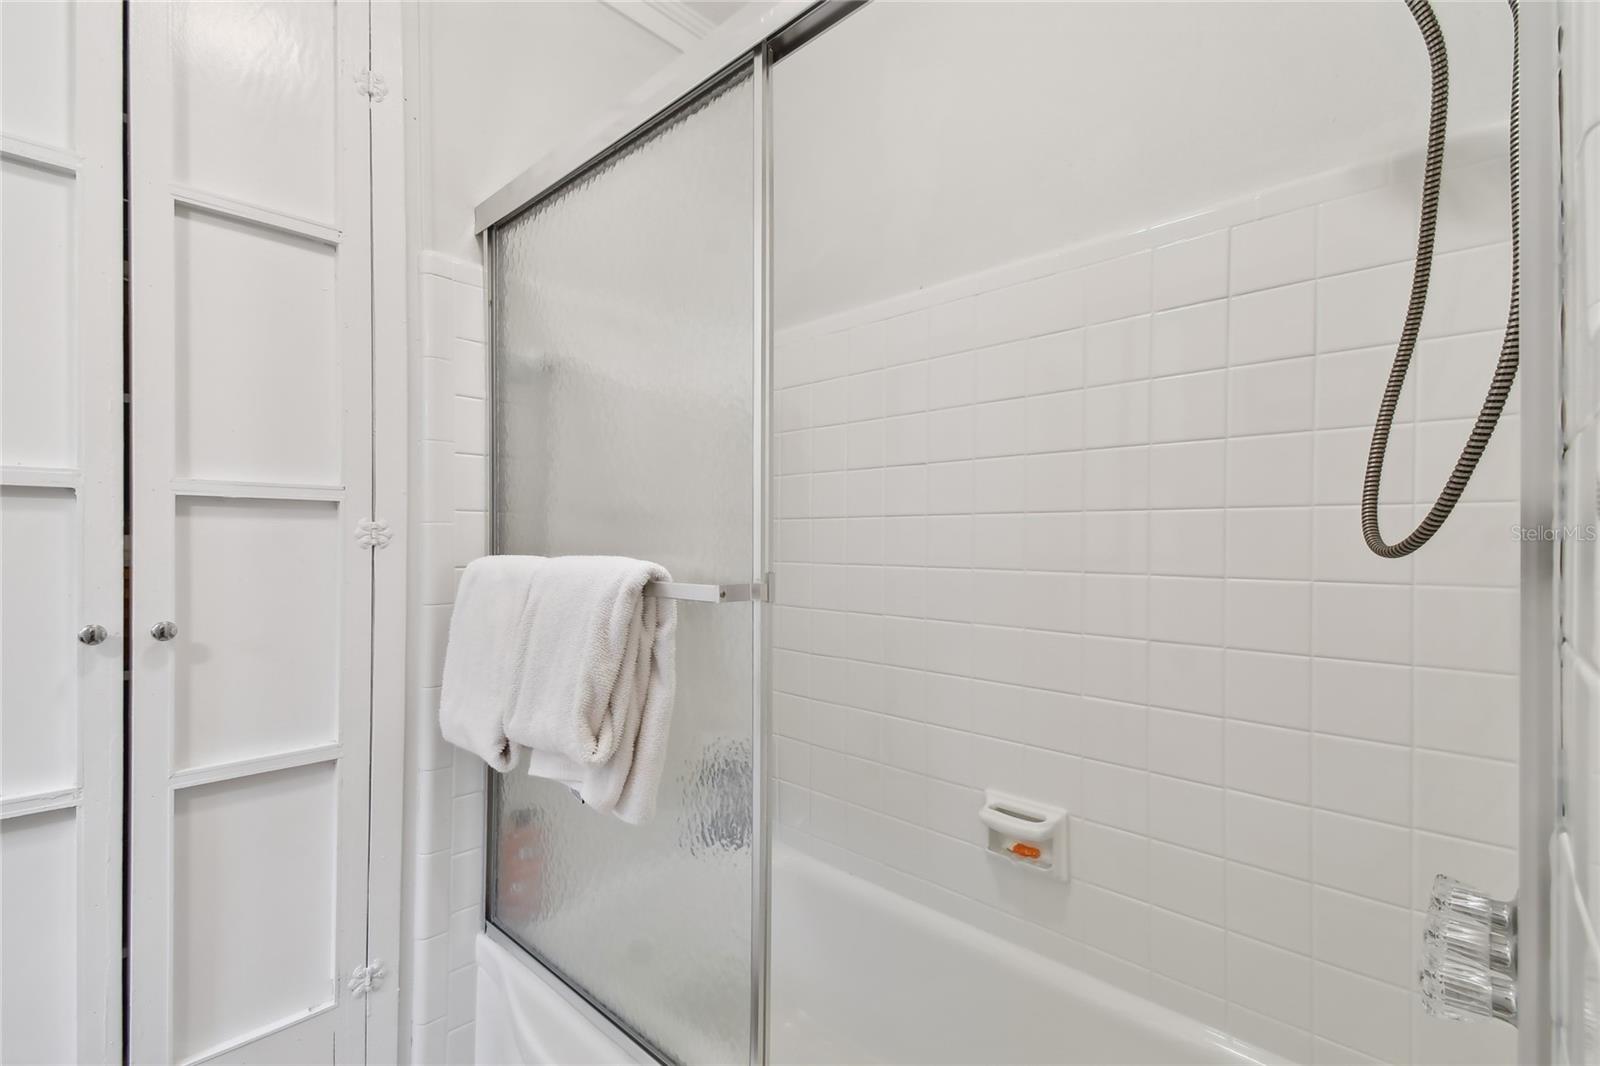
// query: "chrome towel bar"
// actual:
[[683, 590]]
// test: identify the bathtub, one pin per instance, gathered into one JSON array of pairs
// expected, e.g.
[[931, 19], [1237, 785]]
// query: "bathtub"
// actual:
[[862, 975]]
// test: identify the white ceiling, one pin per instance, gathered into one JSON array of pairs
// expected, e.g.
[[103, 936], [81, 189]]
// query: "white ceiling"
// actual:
[[679, 23], [718, 11], [918, 141]]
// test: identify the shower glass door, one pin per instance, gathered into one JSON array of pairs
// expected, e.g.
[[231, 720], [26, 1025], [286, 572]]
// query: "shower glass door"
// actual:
[[625, 424]]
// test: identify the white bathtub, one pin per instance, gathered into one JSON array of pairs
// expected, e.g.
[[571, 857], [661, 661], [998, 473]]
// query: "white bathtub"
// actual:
[[862, 975]]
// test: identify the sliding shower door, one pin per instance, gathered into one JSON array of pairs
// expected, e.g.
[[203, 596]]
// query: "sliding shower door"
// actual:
[[625, 423]]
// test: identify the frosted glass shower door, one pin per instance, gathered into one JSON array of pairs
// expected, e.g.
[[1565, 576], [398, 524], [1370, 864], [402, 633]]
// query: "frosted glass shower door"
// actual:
[[625, 424]]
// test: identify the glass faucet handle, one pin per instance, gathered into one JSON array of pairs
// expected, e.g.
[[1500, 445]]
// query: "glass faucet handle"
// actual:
[[1469, 940], [1469, 957], [1457, 898], [1463, 991]]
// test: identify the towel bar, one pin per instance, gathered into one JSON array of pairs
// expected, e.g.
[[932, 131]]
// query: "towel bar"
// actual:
[[683, 590]]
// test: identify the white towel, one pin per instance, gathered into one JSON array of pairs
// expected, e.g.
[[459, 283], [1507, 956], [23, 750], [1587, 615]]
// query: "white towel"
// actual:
[[483, 658], [585, 681]]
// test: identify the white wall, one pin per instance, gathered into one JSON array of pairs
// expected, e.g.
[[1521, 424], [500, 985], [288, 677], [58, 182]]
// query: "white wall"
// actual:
[[489, 88], [1085, 530], [497, 85], [445, 811], [920, 139]]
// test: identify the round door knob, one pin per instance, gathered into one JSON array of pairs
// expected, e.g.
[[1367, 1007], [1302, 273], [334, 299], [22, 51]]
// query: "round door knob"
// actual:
[[164, 630], [92, 635]]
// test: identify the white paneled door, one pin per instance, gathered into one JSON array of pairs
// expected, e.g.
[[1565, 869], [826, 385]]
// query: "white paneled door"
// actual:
[[60, 532], [253, 484]]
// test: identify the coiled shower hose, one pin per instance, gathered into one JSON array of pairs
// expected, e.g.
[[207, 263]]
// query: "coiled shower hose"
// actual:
[[1505, 371]]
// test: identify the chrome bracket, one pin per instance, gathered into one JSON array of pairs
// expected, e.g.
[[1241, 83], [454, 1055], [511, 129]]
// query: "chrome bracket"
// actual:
[[688, 590], [373, 533], [367, 978]]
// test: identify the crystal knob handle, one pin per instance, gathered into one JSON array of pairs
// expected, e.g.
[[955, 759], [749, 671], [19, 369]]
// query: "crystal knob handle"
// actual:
[[1460, 900], [1470, 941], [164, 630], [1463, 991], [1469, 954], [92, 635]]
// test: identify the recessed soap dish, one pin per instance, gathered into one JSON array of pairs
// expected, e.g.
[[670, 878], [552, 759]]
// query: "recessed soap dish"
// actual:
[[1026, 832]]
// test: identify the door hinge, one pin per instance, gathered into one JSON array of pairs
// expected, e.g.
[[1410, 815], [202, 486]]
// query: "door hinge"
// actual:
[[367, 978], [373, 533], [370, 84]]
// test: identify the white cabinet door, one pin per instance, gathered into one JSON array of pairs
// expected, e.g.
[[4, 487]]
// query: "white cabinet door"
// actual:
[[252, 472], [60, 532]]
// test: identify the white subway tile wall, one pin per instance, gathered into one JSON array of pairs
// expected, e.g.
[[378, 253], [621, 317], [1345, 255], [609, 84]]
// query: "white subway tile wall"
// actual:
[[445, 800], [1085, 529]]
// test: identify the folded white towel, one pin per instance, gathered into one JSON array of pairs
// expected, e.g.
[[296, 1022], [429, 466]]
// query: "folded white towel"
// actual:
[[483, 659], [586, 680]]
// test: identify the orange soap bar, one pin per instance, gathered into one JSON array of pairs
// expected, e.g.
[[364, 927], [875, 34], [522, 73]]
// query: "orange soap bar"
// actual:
[[1027, 851]]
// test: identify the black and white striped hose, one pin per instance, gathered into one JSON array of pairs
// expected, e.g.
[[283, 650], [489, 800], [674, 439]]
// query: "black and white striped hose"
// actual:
[[1505, 371]]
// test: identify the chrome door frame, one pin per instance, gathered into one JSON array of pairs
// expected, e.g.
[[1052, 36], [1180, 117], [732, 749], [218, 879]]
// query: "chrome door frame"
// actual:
[[1539, 665], [640, 1048], [774, 29], [770, 32], [754, 42]]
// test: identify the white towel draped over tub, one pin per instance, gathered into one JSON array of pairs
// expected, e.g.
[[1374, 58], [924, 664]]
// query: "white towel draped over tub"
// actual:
[[566, 658]]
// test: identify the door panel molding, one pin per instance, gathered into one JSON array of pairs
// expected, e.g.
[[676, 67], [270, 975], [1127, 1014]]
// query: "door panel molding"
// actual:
[[391, 445], [259, 276], [82, 157]]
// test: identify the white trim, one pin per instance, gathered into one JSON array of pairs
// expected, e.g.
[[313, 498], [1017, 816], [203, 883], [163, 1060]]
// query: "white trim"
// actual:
[[731, 41], [404, 1001], [153, 338], [18, 150], [156, 301], [1574, 893], [39, 477], [255, 214], [59, 799], [443, 266], [391, 432], [97, 165], [1331, 184], [260, 764], [270, 1029], [353, 297], [255, 490], [671, 21]]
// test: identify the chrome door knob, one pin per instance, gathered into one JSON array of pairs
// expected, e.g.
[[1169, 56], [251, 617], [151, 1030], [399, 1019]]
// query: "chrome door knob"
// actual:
[[92, 635], [164, 630]]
